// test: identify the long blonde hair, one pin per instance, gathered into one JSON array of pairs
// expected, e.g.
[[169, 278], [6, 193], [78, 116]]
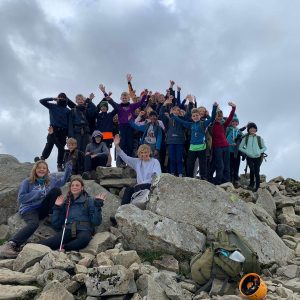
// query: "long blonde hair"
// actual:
[[33, 177]]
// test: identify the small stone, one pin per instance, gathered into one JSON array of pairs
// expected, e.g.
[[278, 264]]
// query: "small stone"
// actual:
[[80, 269], [292, 284], [290, 271], [126, 258], [55, 290], [290, 244], [189, 286], [283, 292], [288, 210], [283, 229], [297, 250], [4, 232], [167, 262], [102, 259]]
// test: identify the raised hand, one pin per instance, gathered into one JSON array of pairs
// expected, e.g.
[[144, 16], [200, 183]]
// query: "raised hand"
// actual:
[[231, 104], [129, 77], [101, 196], [216, 103], [60, 200], [172, 82], [102, 88], [178, 88], [91, 96]]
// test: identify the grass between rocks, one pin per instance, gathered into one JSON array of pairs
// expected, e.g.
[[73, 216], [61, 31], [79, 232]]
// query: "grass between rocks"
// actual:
[[2, 242], [150, 256]]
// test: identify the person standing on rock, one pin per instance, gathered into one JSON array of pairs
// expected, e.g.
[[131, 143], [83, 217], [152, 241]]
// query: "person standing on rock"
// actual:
[[58, 129], [145, 166], [36, 198], [253, 147], [81, 213]]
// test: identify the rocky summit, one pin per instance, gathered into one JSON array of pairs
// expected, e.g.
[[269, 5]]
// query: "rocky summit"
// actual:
[[146, 256]]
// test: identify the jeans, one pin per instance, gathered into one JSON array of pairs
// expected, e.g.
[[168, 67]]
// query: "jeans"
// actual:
[[33, 217], [221, 161], [57, 138], [175, 157], [254, 166], [92, 163], [81, 240], [234, 166], [129, 191]]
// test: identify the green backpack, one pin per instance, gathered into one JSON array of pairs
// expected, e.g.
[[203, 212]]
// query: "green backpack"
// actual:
[[215, 263]]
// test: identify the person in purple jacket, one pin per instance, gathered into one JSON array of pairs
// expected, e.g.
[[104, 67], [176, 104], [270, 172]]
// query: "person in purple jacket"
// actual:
[[37, 195], [125, 109]]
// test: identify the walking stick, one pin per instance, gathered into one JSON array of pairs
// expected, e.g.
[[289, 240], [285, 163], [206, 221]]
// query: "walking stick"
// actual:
[[65, 224]]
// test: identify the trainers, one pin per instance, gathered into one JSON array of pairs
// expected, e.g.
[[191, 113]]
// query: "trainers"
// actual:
[[37, 158], [86, 175], [60, 168], [9, 250]]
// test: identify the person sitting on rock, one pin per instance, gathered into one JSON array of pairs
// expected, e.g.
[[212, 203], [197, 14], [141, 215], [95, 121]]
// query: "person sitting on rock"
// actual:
[[36, 198], [145, 166], [75, 156], [81, 213], [96, 154]]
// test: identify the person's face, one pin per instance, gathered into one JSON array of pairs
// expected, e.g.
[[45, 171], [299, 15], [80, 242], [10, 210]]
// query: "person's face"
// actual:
[[124, 98], [71, 146], [219, 117], [144, 155], [41, 170], [196, 117], [161, 98], [103, 108], [98, 139], [252, 130], [153, 119], [202, 112], [234, 124], [176, 111], [76, 188], [79, 100]]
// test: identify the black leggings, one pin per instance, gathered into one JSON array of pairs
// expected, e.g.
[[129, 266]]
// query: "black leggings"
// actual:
[[254, 166], [129, 191], [81, 240], [33, 217]]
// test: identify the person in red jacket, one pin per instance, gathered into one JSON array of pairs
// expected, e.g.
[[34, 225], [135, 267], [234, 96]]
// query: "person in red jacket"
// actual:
[[220, 146]]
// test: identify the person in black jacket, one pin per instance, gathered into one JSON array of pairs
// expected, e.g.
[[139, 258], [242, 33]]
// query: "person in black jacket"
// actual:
[[57, 132], [81, 118], [75, 156]]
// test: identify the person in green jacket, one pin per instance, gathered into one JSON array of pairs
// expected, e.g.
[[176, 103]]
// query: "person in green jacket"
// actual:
[[253, 147]]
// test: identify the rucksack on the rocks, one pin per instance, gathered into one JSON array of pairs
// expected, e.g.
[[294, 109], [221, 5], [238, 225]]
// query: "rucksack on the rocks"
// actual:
[[140, 198], [215, 263]]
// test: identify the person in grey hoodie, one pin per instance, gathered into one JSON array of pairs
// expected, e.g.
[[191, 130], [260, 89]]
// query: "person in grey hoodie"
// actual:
[[145, 166], [96, 154]]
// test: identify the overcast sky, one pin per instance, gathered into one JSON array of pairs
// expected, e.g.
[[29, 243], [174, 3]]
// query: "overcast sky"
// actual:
[[244, 51]]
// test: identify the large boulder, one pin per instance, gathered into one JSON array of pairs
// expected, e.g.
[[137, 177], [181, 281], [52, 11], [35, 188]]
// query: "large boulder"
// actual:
[[12, 173], [110, 206], [146, 231], [211, 209]]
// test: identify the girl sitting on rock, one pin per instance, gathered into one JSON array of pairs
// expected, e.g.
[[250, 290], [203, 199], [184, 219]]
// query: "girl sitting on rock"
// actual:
[[145, 166], [36, 198], [81, 213]]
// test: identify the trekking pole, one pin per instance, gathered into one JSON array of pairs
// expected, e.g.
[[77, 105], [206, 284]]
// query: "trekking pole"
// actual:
[[246, 168], [65, 224]]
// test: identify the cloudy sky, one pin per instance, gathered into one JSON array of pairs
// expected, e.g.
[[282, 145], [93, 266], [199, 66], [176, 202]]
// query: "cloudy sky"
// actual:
[[246, 51]]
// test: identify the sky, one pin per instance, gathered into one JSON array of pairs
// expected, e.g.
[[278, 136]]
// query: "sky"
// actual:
[[218, 50]]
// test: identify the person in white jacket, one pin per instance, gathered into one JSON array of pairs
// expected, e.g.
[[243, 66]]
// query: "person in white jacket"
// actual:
[[144, 165]]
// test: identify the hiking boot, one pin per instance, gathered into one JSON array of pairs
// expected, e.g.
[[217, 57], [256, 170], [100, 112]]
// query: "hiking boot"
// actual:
[[60, 168], [9, 250], [86, 176], [37, 158]]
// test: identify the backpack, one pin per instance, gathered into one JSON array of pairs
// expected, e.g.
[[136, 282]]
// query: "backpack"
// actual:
[[140, 198], [208, 135], [215, 263], [263, 155]]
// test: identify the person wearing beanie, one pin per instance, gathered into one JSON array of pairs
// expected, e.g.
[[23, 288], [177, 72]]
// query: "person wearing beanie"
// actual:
[[57, 132], [105, 124], [234, 135], [96, 154], [253, 147]]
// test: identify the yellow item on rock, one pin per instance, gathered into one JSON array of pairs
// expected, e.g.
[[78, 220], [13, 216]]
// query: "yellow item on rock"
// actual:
[[253, 287]]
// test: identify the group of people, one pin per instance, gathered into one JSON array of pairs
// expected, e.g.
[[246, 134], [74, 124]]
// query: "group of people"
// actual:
[[156, 132]]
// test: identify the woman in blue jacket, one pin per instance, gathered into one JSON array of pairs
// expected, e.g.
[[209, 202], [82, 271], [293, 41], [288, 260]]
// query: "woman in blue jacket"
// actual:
[[83, 214], [36, 198]]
